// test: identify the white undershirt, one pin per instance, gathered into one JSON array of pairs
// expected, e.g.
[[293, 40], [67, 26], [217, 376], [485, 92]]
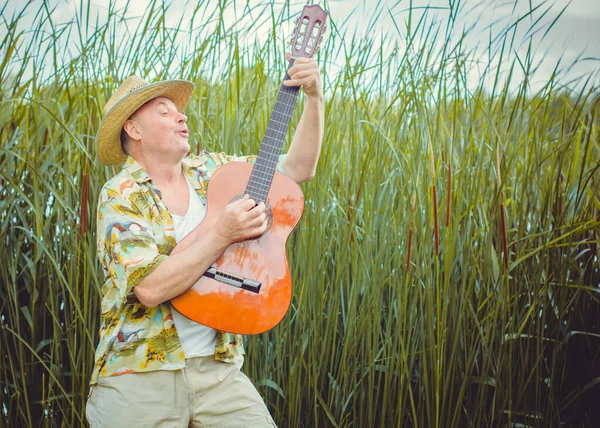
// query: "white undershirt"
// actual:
[[196, 339]]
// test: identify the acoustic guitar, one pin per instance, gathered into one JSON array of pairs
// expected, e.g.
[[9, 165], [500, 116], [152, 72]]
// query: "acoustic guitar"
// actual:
[[248, 289]]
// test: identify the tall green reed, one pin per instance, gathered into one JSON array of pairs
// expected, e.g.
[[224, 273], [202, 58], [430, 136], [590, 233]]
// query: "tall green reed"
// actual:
[[446, 267]]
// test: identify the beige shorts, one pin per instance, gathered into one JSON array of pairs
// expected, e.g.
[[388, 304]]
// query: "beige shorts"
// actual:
[[207, 393]]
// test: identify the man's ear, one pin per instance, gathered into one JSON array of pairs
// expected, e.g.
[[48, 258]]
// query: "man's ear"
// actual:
[[132, 129]]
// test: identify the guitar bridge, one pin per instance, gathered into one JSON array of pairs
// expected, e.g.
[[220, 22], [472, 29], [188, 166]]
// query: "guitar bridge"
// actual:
[[232, 279]]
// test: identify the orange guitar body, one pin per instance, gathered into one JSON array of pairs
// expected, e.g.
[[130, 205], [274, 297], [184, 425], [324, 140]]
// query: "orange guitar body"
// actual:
[[261, 261]]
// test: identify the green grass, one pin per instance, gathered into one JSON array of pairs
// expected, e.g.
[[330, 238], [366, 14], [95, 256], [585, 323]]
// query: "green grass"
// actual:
[[446, 267]]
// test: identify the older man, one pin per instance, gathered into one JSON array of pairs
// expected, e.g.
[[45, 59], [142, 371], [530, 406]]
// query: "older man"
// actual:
[[154, 367]]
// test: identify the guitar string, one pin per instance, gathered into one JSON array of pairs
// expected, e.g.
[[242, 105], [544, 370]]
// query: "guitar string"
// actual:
[[265, 165], [269, 153]]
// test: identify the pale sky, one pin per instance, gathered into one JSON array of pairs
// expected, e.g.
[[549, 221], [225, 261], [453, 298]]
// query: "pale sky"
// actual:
[[575, 34]]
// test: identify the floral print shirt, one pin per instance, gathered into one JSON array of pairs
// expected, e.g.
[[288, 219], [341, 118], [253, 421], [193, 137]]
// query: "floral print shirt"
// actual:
[[135, 234]]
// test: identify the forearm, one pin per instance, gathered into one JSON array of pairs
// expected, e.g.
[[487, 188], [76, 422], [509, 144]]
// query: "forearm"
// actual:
[[239, 220], [303, 154], [188, 240], [178, 272]]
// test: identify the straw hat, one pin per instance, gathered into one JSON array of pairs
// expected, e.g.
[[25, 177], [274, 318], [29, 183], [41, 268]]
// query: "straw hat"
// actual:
[[130, 96]]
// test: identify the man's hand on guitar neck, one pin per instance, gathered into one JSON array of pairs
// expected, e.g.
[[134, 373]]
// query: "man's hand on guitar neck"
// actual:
[[305, 72]]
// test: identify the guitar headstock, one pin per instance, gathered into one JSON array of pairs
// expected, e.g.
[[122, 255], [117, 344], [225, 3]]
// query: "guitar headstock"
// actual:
[[309, 31]]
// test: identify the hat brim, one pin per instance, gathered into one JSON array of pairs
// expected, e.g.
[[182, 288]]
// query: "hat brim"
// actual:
[[108, 139]]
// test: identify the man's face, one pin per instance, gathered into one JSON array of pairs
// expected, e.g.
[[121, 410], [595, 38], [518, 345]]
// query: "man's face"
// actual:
[[162, 129]]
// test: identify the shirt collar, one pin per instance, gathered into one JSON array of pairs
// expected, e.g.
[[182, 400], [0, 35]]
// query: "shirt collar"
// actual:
[[135, 170], [194, 161], [140, 176]]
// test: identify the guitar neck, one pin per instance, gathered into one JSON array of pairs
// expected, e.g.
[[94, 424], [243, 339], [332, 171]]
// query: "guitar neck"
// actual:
[[270, 148]]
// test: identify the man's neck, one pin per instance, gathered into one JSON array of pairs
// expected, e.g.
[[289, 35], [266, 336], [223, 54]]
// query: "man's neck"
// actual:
[[162, 172]]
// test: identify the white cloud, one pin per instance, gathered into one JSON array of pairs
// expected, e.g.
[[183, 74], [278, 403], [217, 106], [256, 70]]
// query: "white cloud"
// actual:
[[577, 31]]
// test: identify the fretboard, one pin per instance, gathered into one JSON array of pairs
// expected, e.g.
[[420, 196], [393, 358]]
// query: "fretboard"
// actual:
[[270, 148]]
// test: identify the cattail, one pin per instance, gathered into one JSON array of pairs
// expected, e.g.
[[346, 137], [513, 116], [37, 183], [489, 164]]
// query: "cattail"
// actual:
[[83, 204], [449, 197], [502, 214], [435, 208]]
